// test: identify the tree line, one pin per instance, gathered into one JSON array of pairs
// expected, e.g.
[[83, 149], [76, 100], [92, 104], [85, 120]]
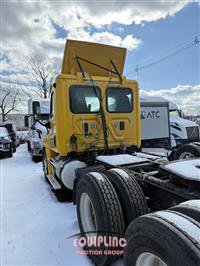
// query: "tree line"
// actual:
[[40, 72]]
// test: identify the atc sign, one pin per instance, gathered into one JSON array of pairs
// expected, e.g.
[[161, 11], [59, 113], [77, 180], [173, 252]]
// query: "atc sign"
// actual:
[[149, 115]]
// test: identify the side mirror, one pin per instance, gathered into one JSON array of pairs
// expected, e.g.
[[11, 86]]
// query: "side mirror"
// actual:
[[26, 121], [36, 108], [180, 113], [48, 125]]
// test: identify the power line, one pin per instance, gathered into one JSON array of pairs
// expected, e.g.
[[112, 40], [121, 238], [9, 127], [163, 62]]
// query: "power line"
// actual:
[[170, 55], [173, 53], [154, 58]]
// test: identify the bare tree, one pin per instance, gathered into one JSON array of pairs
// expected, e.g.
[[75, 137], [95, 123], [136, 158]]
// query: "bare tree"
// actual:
[[41, 72], [24, 88], [8, 100]]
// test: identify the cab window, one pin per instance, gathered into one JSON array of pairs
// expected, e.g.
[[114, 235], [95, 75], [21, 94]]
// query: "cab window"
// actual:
[[119, 100], [84, 99], [174, 114]]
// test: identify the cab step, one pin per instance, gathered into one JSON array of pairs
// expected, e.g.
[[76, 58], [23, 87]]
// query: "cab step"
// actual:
[[54, 183]]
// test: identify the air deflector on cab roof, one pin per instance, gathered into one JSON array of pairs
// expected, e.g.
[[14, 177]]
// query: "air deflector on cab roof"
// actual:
[[99, 54]]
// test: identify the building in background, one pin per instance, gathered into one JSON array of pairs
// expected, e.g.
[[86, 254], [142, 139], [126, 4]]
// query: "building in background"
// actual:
[[18, 119]]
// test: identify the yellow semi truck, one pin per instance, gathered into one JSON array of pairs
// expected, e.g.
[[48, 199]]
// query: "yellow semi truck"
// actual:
[[91, 154]]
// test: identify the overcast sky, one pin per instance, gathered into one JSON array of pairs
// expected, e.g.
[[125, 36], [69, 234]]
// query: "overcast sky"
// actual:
[[150, 30]]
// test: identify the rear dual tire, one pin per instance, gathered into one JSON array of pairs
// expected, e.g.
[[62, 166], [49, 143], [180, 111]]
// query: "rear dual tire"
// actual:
[[99, 210], [162, 239], [190, 208], [108, 202], [130, 194]]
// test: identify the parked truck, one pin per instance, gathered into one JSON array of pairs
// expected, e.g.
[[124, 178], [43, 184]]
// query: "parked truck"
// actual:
[[163, 127], [185, 134], [94, 119], [11, 128], [38, 115], [6, 143]]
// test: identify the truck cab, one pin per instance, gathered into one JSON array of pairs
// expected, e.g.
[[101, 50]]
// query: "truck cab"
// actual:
[[182, 130], [38, 115], [94, 109]]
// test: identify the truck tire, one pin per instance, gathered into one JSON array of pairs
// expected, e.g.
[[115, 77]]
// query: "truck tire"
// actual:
[[14, 148], [10, 154], [162, 238], [187, 151], [36, 159], [99, 211], [189, 209], [28, 146], [130, 194]]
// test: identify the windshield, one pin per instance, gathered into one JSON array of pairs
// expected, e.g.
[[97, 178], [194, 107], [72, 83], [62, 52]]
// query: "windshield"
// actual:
[[84, 99], [174, 114], [44, 117], [44, 107], [3, 132], [119, 100]]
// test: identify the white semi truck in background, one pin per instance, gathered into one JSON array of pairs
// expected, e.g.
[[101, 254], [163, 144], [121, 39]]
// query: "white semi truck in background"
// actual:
[[183, 131], [162, 126], [38, 115]]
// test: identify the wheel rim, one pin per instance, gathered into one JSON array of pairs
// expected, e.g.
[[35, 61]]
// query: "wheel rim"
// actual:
[[87, 214], [149, 259], [186, 155]]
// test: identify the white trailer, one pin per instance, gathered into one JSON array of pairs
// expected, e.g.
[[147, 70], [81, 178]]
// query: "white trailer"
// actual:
[[155, 123], [38, 115], [163, 127]]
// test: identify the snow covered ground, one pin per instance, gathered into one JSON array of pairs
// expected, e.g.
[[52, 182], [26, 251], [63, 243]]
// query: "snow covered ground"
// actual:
[[34, 225]]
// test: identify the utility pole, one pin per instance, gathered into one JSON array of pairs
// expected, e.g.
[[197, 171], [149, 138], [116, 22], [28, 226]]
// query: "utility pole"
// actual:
[[137, 72]]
